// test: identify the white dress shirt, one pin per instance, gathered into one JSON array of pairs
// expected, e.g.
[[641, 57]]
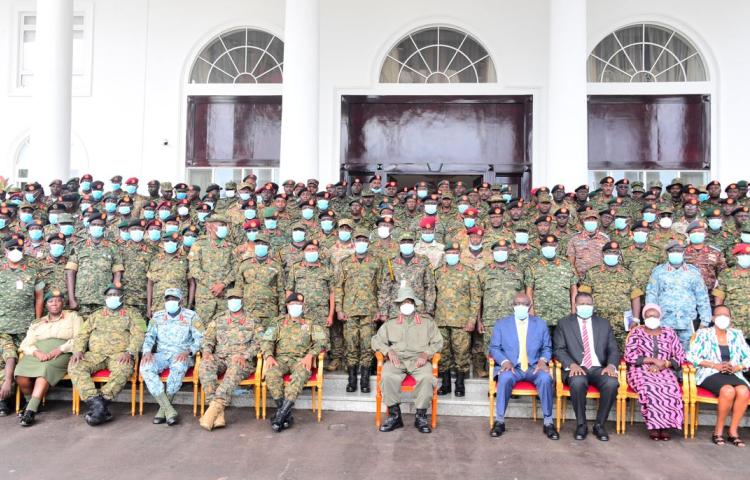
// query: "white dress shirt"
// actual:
[[594, 359]]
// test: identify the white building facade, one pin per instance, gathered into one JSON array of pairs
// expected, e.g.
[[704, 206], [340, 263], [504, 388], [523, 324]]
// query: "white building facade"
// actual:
[[529, 92]]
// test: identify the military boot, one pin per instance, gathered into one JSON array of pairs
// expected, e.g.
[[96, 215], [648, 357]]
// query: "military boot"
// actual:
[[289, 421], [97, 413], [220, 422], [445, 386], [281, 415], [394, 420], [420, 421], [105, 409], [159, 418], [364, 380], [170, 414], [334, 365], [460, 389], [4, 408], [208, 420], [351, 386]]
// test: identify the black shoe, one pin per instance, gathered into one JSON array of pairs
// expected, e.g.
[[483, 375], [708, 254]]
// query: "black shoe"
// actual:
[[394, 420], [445, 385], [172, 421], [282, 415], [97, 413], [421, 422], [600, 433], [4, 408], [498, 428], [158, 420], [581, 432], [107, 415], [27, 418], [551, 432], [460, 389], [351, 385], [364, 380]]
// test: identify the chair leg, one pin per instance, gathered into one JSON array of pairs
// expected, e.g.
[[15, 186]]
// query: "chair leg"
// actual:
[[686, 421], [195, 398], [18, 399], [263, 393], [558, 411], [696, 408], [434, 408], [320, 402], [140, 398], [378, 407], [492, 409], [133, 388], [533, 407], [632, 412], [203, 401], [256, 393]]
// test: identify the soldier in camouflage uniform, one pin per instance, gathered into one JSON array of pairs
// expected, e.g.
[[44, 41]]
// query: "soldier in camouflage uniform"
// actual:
[[406, 269], [457, 306], [169, 268], [427, 245], [641, 257], [261, 280], [551, 283], [733, 289], [383, 244], [110, 339], [230, 347], [716, 234], [293, 252], [277, 237], [52, 266], [290, 345], [357, 279], [93, 264], [585, 248], [315, 281], [136, 258], [177, 334], [706, 258], [523, 254], [614, 291]]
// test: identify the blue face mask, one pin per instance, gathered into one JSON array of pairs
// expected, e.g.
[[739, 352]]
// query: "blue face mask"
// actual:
[[702, 197], [202, 216], [96, 231], [475, 248], [640, 236], [123, 210], [470, 222], [506, 197], [590, 226], [360, 247], [311, 257], [188, 240], [298, 236], [26, 217], [172, 306], [422, 193], [154, 235], [715, 223], [244, 196], [180, 195], [462, 208], [163, 214], [234, 304], [56, 250], [113, 303], [110, 207], [86, 222], [307, 213], [406, 249], [53, 218], [621, 223], [521, 312], [131, 189], [171, 228], [97, 195], [124, 235], [650, 217], [326, 225], [430, 209], [345, 235], [322, 204], [67, 230], [30, 197], [250, 213], [35, 235], [149, 214], [611, 260], [170, 247], [251, 235], [697, 237], [585, 311], [86, 186], [116, 187], [259, 199], [3, 223], [270, 223], [743, 261], [675, 258], [210, 205], [376, 190], [222, 231], [500, 256], [136, 235], [522, 238], [261, 250], [451, 259], [428, 237], [549, 252]]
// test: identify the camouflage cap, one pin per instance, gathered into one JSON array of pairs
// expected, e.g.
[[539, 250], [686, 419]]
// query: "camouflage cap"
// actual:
[[406, 235], [694, 225], [346, 222], [230, 186], [262, 237], [173, 292], [361, 232], [235, 292], [216, 218], [406, 293], [654, 184], [637, 187], [166, 186], [675, 244], [295, 297]]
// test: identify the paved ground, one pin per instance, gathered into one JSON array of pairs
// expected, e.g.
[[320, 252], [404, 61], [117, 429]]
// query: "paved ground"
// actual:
[[343, 446]]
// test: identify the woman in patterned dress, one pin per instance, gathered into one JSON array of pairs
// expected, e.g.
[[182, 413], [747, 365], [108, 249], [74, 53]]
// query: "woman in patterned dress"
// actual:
[[654, 356]]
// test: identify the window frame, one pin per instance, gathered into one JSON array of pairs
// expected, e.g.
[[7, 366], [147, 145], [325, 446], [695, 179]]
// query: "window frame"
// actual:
[[274, 171]]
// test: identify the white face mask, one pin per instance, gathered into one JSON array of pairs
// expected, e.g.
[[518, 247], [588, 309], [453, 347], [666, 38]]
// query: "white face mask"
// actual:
[[15, 256], [295, 310], [665, 222], [406, 308], [721, 322], [652, 323], [384, 232]]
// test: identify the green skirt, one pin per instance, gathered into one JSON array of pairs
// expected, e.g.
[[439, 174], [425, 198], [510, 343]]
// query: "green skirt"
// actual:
[[53, 371]]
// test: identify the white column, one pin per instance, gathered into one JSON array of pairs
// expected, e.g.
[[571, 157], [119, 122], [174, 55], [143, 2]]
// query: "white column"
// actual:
[[567, 141], [50, 132], [299, 114]]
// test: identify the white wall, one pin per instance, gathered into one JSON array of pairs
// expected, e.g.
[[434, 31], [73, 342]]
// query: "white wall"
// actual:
[[142, 51]]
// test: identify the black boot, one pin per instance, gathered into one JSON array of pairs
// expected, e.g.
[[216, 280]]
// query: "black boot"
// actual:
[[421, 422], [105, 409], [281, 415], [97, 413], [364, 380], [460, 389], [4, 408], [394, 420], [445, 386], [27, 418], [351, 386]]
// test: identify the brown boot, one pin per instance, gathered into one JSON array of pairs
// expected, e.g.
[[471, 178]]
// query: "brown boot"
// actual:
[[208, 420], [220, 422], [334, 365]]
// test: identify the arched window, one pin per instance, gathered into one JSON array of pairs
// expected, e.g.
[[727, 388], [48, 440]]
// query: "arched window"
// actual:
[[646, 53], [243, 55], [438, 55]]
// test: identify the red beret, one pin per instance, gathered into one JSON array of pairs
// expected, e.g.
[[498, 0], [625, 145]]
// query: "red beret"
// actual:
[[131, 181], [427, 222], [476, 231], [741, 249]]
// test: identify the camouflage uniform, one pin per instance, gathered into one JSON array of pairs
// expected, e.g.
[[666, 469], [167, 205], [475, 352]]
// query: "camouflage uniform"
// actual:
[[228, 335], [104, 336], [136, 258], [8, 350], [315, 282], [168, 271], [289, 340], [94, 264], [550, 282], [613, 288], [734, 291], [210, 262], [433, 251], [52, 273], [336, 253], [262, 284], [641, 261], [19, 287], [417, 275], [499, 284], [586, 250], [384, 249], [523, 256], [709, 260]]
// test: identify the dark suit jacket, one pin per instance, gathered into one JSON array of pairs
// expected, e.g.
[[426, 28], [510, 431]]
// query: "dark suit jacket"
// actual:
[[569, 344]]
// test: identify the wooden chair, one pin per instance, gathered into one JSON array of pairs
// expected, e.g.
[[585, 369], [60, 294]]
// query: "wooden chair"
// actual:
[[72, 401], [563, 393], [102, 376], [520, 389], [315, 383], [252, 380], [407, 385], [191, 376]]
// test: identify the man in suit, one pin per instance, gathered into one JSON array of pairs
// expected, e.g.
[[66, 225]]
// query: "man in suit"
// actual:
[[522, 347], [586, 347]]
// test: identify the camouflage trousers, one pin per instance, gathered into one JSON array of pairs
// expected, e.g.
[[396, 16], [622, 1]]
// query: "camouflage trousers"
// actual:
[[478, 357], [318, 314], [392, 377], [275, 378], [488, 325], [80, 375], [162, 361], [232, 376], [337, 341], [358, 332], [207, 306], [8, 349], [456, 348]]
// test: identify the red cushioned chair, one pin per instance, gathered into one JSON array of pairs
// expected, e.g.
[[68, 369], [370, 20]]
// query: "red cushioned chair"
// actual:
[[102, 376], [191, 376], [406, 386], [252, 380], [315, 383], [520, 389], [563, 393]]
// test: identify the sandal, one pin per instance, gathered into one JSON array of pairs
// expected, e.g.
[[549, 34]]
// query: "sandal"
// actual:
[[654, 435], [717, 439], [736, 441]]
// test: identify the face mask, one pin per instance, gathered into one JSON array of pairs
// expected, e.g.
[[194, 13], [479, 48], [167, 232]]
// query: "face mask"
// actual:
[[697, 237], [3, 223], [97, 195], [66, 230], [611, 260], [172, 306], [475, 248], [295, 310], [326, 225], [110, 207], [406, 249], [180, 195], [722, 322], [261, 250], [124, 235], [222, 231], [376, 190], [86, 222], [585, 311], [430, 209], [30, 197], [715, 223], [451, 259], [202, 216], [259, 199], [234, 304], [675, 258], [522, 238], [148, 214], [298, 236], [322, 204], [462, 208], [500, 256], [652, 323], [188, 240], [252, 235], [345, 235], [621, 223], [745, 237], [136, 235], [665, 222], [649, 217], [590, 226], [244, 196], [743, 261], [521, 312], [35, 235], [230, 193], [640, 236], [16, 201], [86, 186], [250, 213], [406, 308], [549, 252], [113, 303], [154, 235], [270, 223], [428, 237], [360, 247], [124, 210], [702, 197], [506, 197], [56, 249], [470, 222], [26, 217], [384, 232], [307, 213], [15, 256], [422, 193], [171, 228], [311, 257], [53, 218], [183, 211], [163, 214], [131, 189], [170, 247], [115, 187], [96, 231]]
